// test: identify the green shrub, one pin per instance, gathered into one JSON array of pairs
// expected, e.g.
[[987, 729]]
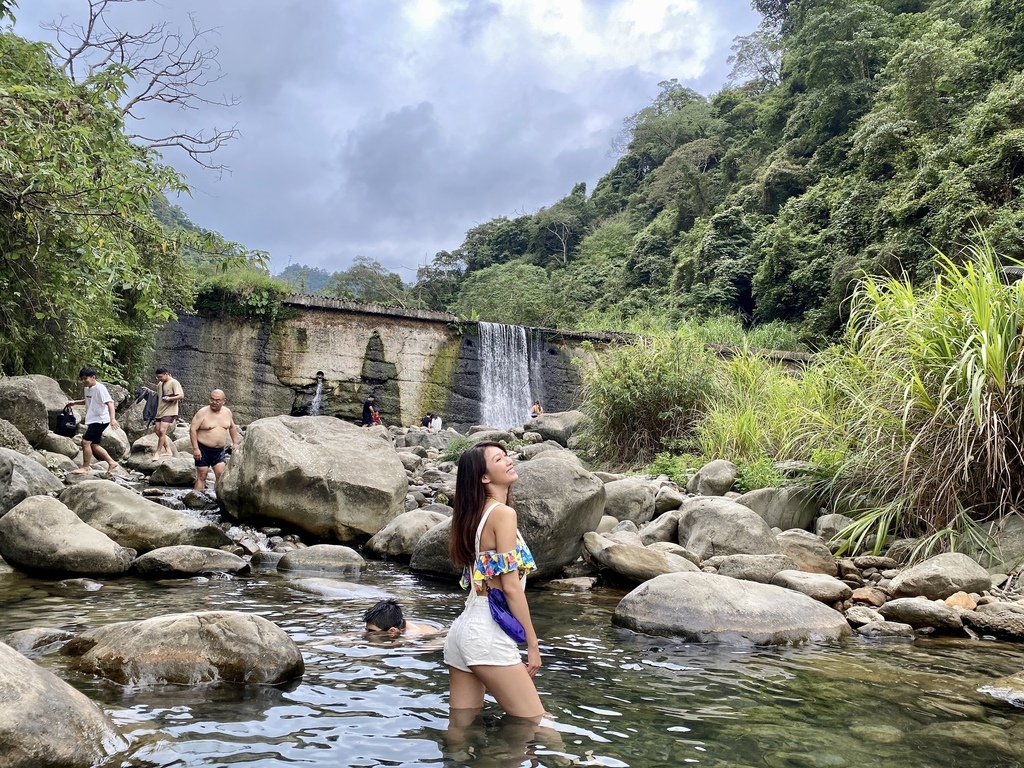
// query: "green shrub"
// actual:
[[678, 467], [642, 397], [760, 473], [455, 447], [242, 292]]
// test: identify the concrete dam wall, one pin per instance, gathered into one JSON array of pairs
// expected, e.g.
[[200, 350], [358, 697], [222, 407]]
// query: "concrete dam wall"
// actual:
[[329, 355]]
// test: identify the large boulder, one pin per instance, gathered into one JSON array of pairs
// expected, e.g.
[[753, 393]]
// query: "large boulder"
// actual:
[[188, 649], [808, 551], [704, 608], [783, 508], [321, 474], [820, 586], [632, 562], [185, 560], [55, 443], [631, 498], [718, 526], [322, 557], [713, 479], [22, 477], [136, 522], [23, 406], [44, 722], [1007, 544], [939, 577], [556, 426], [54, 398], [556, 501], [828, 526], [399, 537], [921, 613], [177, 471], [41, 534], [760, 568], [11, 437]]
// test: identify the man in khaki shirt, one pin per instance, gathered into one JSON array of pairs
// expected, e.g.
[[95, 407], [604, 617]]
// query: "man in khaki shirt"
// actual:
[[209, 432], [169, 393]]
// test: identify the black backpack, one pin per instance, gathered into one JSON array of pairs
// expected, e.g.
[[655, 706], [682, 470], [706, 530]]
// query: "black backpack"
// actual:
[[67, 424]]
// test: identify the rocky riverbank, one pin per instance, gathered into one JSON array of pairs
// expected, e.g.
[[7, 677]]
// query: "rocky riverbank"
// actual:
[[317, 495]]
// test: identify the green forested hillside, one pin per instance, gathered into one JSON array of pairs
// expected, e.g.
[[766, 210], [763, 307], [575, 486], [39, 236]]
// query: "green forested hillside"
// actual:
[[860, 137]]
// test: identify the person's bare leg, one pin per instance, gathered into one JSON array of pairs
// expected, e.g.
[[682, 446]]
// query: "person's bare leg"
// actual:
[[86, 459], [218, 470], [459, 721], [201, 473], [162, 443], [101, 453], [513, 688], [467, 690]]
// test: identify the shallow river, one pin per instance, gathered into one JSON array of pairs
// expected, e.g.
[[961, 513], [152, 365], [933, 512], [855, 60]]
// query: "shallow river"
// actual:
[[618, 699]]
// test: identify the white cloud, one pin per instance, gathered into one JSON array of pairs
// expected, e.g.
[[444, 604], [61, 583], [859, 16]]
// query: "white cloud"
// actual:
[[388, 129]]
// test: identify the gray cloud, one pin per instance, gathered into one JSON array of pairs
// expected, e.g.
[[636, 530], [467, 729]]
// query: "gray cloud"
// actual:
[[388, 129]]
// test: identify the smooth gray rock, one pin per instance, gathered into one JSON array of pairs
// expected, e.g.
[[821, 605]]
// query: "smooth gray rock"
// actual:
[[188, 649], [808, 551], [324, 475], [186, 560], [885, 630], [338, 590], [713, 479], [55, 443], [11, 437], [136, 522], [37, 641], [921, 613], [939, 577], [630, 499], [759, 568], [1005, 624], [41, 534], [674, 549], [634, 563], [21, 477], [783, 508], [398, 538], [702, 607], [827, 526], [322, 557], [559, 427], [823, 588], [717, 526], [662, 528], [22, 405], [174, 471], [859, 615], [669, 497], [45, 723]]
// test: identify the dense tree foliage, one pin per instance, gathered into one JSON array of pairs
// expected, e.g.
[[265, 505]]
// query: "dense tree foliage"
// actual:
[[93, 260], [855, 138]]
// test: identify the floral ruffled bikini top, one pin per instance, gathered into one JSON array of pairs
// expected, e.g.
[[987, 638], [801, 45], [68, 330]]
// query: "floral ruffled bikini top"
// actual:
[[492, 563]]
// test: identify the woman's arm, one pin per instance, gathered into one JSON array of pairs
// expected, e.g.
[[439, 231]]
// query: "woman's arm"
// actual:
[[503, 519]]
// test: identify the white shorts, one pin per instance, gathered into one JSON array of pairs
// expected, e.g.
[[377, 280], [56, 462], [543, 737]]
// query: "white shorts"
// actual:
[[476, 640]]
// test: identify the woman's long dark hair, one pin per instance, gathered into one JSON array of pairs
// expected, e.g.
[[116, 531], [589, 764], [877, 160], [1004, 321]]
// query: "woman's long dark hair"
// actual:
[[468, 505]]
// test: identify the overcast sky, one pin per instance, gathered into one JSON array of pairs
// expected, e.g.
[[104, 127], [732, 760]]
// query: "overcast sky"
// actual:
[[386, 129]]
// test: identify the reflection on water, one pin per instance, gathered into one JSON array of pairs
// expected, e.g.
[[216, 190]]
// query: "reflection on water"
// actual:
[[617, 698]]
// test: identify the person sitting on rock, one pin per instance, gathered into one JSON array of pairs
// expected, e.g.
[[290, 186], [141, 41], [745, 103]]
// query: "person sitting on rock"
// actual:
[[386, 616]]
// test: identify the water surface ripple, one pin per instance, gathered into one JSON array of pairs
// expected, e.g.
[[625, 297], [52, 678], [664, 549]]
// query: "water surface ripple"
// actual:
[[618, 698]]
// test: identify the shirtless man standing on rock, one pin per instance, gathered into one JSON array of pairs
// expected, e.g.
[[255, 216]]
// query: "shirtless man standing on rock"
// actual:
[[209, 433]]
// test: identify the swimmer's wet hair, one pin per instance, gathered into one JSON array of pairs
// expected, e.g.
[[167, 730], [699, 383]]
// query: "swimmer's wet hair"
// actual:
[[385, 615]]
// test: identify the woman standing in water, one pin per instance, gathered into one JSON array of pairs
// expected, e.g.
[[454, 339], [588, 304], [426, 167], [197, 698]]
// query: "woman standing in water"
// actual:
[[486, 543]]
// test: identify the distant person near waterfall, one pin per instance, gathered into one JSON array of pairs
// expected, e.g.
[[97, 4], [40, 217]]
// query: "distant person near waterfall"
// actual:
[[209, 433], [536, 410], [370, 411]]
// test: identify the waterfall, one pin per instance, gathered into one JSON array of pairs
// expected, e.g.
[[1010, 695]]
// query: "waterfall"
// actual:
[[504, 376], [316, 406], [536, 367]]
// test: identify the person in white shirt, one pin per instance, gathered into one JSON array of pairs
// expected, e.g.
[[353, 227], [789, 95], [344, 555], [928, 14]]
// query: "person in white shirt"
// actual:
[[435, 423], [99, 414]]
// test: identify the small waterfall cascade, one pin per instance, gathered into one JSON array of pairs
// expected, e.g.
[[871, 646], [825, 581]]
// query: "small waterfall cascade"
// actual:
[[316, 406], [536, 347], [504, 376]]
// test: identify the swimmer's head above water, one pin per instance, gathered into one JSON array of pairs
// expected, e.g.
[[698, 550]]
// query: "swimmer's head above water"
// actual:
[[385, 616]]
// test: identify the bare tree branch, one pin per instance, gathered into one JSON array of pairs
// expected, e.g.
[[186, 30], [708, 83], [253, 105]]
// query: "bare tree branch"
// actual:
[[167, 66]]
